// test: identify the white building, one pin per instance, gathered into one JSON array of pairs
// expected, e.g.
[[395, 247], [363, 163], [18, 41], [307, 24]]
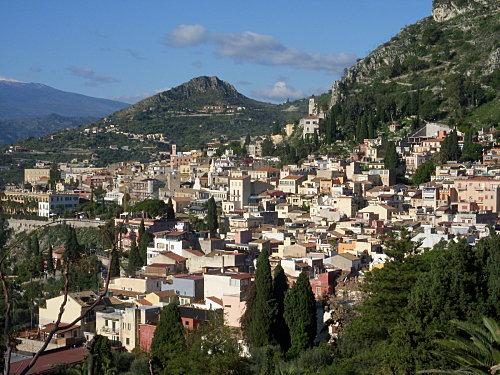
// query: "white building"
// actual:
[[56, 203], [310, 125]]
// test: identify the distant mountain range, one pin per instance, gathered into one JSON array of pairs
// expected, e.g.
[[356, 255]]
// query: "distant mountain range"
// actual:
[[34, 109]]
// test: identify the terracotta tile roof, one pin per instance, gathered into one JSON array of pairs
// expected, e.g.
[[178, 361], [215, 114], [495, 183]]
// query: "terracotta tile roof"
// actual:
[[174, 256], [49, 361]]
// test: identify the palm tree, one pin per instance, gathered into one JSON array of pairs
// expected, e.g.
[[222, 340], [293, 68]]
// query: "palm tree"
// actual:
[[478, 354]]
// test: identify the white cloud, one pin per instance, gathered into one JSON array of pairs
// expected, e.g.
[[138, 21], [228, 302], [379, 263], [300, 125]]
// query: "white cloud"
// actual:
[[257, 48], [279, 92], [90, 77], [187, 35]]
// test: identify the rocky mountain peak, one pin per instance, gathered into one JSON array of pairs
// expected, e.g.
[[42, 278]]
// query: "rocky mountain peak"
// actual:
[[444, 10]]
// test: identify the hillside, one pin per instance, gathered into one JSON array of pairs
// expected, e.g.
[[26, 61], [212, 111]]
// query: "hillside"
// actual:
[[197, 111], [12, 130], [444, 67], [190, 115]]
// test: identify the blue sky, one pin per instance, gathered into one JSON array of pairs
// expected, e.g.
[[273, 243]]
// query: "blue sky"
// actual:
[[126, 50]]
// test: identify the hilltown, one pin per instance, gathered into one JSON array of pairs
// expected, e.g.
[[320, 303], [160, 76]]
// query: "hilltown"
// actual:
[[327, 217]]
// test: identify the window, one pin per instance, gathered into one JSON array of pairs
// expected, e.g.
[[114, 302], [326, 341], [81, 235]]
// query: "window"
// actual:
[[127, 341], [106, 322], [128, 326]]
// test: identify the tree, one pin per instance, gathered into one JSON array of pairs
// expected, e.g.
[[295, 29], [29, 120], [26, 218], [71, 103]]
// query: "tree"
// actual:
[[170, 210], [262, 310], [213, 349], [247, 140], [35, 255], [471, 151], [212, 220], [300, 315], [449, 148], [72, 248], [49, 261], [423, 173], [280, 329], [267, 147], [114, 267], [100, 358], [391, 161], [144, 239], [153, 207], [126, 202], [169, 344], [134, 259], [475, 350]]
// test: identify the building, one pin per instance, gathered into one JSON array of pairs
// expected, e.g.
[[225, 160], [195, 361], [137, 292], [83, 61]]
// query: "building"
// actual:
[[226, 283], [37, 176], [77, 304], [239, 191], [51, 204], [310, 125], [121, 326]]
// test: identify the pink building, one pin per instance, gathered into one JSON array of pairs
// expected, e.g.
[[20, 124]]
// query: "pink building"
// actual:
[[234, 309], [483, 191], [323, 284]]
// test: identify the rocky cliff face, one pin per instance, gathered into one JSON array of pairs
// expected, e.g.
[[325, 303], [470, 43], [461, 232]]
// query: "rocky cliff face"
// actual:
[[458, 38], [444, 10]]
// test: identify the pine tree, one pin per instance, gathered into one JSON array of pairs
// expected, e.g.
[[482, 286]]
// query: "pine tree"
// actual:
[[134, 259], [170, 210], [263, 309], [212, 221], [169, 344], [300, 315], [280, 328]]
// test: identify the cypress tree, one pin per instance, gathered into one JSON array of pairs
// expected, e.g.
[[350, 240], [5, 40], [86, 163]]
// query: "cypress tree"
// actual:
[[36, 256], [100, 358], [169, 344], [143, 243], [49, 261], [449, 148], [263, 308], [471, 151], [134, 259], [170, 210], [114, 267], [212, 221], [280, 329], [391, 161], [71, 246], [300, 315]]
